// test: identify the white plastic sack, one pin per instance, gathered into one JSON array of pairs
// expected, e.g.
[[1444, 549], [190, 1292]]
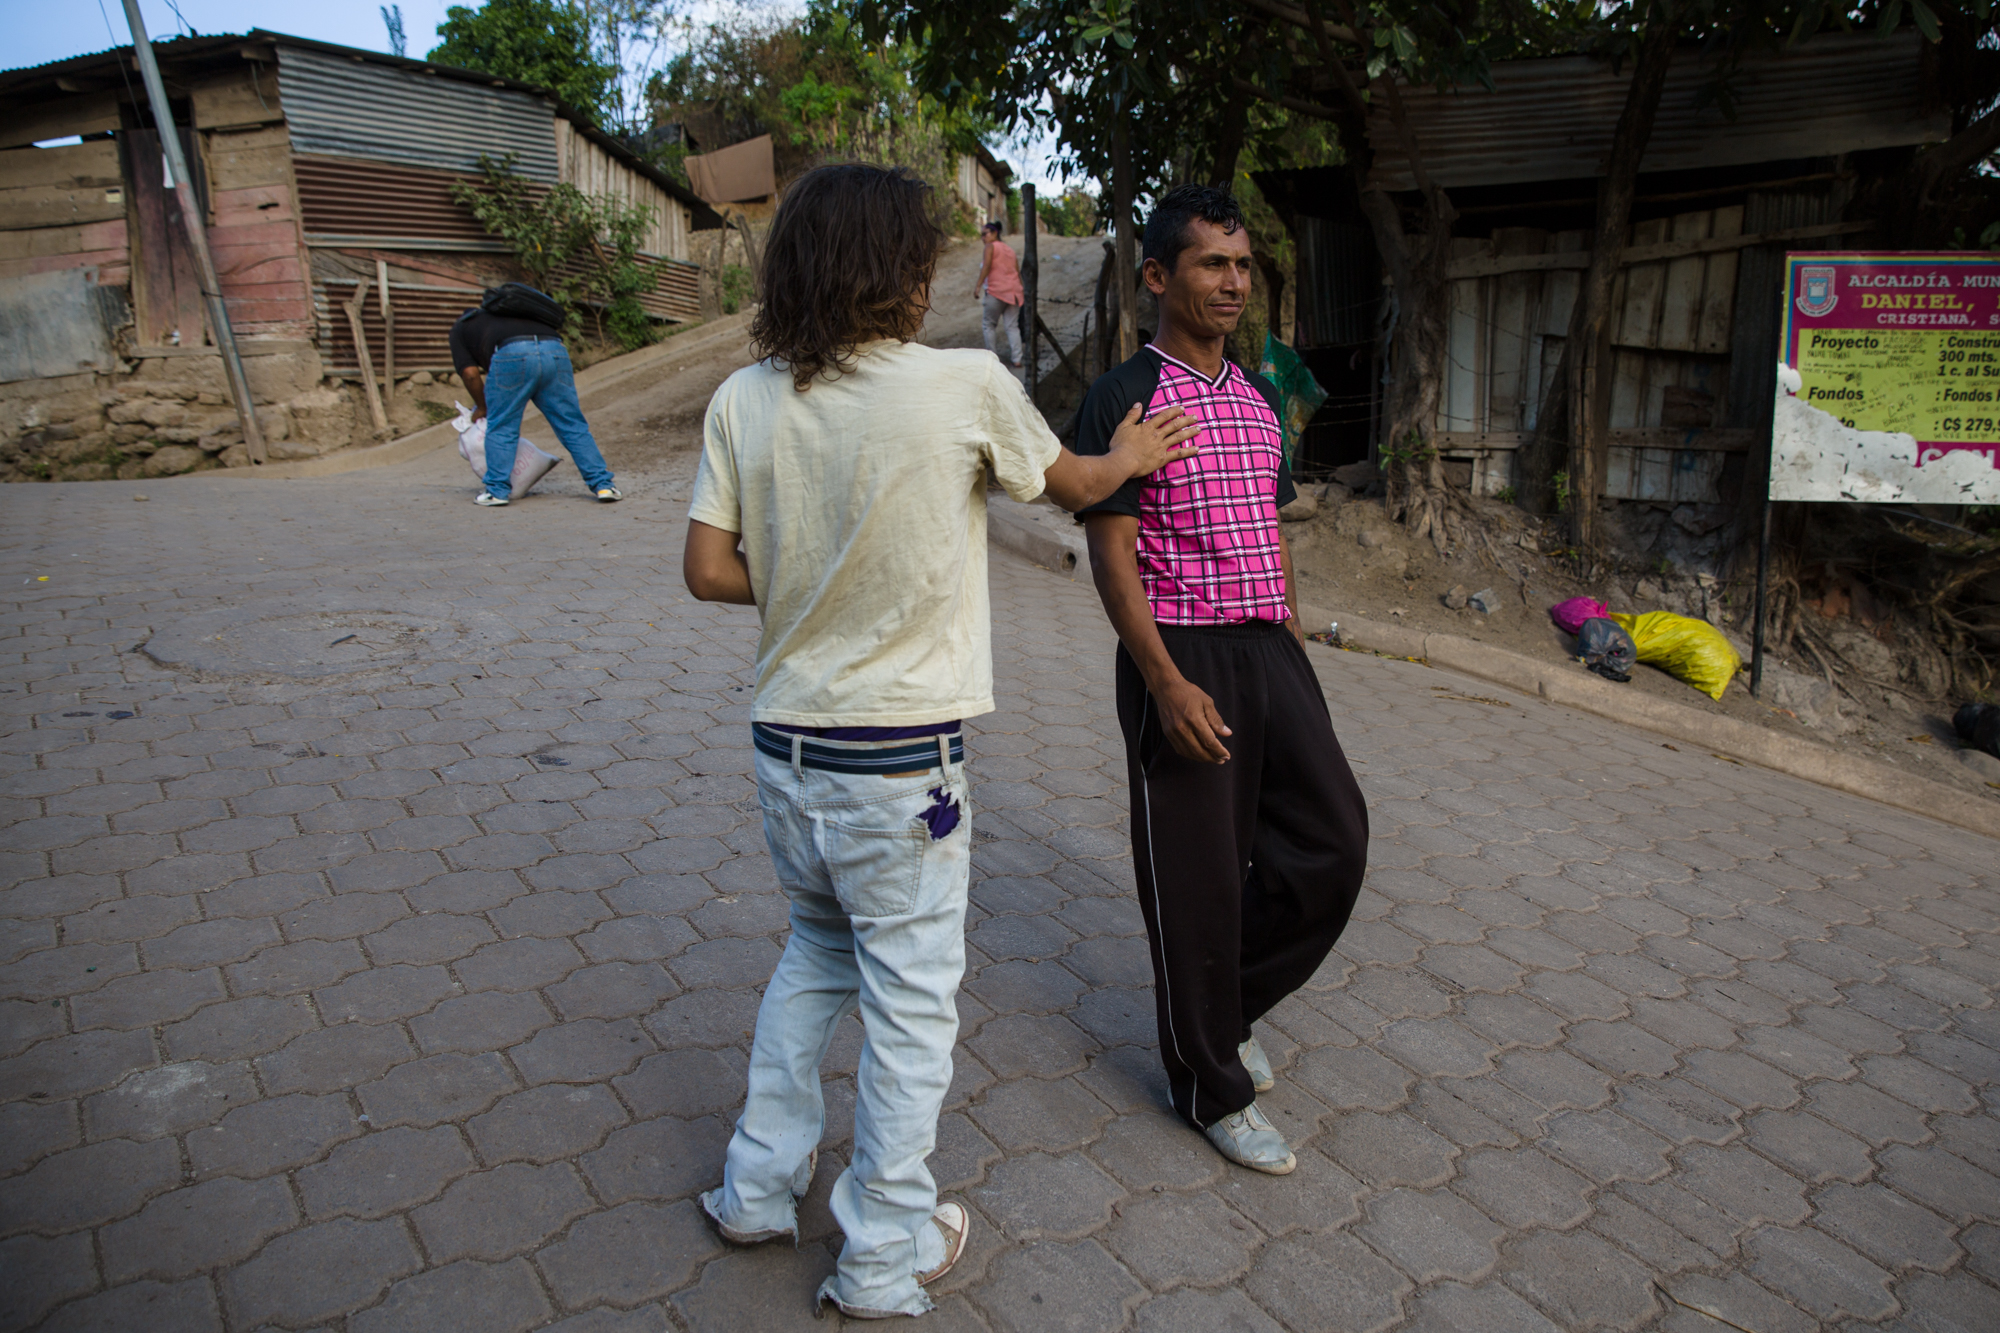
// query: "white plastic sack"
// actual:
[[530, 463]]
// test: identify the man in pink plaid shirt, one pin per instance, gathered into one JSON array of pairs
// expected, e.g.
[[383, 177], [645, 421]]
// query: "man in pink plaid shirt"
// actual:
[[1249, 835]]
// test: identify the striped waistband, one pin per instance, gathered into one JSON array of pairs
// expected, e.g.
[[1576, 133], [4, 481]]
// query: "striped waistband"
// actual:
[[855, 757]]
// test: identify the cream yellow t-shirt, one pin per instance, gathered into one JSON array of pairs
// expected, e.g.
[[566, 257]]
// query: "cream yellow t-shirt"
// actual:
[[862, 506]]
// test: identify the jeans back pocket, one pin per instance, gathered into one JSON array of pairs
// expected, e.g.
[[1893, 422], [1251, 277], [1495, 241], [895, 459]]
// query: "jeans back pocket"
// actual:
[[875, 854]]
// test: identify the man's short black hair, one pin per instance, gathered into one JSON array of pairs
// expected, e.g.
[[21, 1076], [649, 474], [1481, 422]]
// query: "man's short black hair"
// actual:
[[1167, 228]]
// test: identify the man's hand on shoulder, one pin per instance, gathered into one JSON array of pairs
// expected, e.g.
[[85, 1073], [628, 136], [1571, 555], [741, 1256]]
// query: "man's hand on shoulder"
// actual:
[[1138, 449], [1149, 445]]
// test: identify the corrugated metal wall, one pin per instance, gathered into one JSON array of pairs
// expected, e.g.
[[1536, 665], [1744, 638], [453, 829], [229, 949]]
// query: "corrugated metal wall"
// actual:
[[339, 107], [1550, 120], [345, 202]]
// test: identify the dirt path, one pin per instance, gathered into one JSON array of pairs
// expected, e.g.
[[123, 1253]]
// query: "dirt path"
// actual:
[[649, 429]]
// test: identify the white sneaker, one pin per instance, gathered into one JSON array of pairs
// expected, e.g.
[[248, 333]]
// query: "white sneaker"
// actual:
[[1259, 1064], [1248, 1139], [606, 494], [492, 501], [954, 1224]]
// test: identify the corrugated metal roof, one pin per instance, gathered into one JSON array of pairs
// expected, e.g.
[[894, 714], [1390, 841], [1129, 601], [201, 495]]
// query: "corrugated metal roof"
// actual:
[[1553, 119], [343, 107]]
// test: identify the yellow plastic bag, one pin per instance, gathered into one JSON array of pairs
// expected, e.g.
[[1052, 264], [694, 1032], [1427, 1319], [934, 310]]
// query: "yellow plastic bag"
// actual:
[[1688, 649]]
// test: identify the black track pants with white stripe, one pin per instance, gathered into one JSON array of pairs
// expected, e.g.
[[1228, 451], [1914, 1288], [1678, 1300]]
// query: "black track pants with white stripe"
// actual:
[[1247, 871]]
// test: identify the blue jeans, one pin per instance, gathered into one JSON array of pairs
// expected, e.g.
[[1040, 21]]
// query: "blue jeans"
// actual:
[[537, 372], [878, 924]]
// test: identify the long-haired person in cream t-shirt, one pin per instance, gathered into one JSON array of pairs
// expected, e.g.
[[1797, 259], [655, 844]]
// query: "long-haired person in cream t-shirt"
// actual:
[[842, 490]]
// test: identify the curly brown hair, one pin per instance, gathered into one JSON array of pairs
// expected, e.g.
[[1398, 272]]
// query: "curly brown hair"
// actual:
[[849, 260]]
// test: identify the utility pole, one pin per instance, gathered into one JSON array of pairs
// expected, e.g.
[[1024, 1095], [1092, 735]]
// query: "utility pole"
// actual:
[[1031, 273], [196, 227]]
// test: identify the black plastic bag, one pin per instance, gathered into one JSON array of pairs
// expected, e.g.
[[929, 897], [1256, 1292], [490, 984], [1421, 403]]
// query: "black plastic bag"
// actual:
[[1607, 649], [518, 300], [1978, 725]]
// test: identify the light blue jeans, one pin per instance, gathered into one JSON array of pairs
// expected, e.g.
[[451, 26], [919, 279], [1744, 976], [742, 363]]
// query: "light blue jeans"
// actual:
[[538, 373], [878, 924]]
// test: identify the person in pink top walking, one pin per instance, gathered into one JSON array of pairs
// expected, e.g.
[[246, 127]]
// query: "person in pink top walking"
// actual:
[[1000, 285]]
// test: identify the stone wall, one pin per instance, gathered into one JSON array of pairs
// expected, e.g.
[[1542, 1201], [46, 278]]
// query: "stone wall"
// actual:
[[160, 415]]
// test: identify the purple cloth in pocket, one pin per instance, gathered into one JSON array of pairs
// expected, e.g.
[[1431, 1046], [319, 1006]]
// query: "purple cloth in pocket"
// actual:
[[942, 816]]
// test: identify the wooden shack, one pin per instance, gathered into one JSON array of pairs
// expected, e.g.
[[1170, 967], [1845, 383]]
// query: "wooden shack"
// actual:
[[1726, 187], [324, 173]]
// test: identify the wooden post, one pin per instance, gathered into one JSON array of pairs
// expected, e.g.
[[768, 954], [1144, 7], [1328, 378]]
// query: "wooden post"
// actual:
[[1030, 289], [1122, 189], [197, 235], [353, 309], [388, 332]]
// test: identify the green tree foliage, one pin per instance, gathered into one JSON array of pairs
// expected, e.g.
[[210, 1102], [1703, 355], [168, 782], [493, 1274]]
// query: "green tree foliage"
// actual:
[[581, 250], [819, 89], [547, 43]]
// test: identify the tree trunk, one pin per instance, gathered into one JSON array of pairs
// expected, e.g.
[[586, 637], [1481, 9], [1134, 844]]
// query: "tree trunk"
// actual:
[[1229, 143], [1576, 432], [1122, 190]]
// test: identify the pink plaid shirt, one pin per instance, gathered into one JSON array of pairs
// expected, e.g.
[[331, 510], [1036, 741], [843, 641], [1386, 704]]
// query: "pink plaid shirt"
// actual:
[[1208, 525]]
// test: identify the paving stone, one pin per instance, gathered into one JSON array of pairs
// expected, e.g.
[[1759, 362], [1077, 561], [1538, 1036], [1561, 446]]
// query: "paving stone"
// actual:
[[588, 1050], [167, 1100], [1622, 1048], [1954, 1304], [1149, 1151], [1037, 1197], [436, 1089], [201, 1227], [1054, 1287], [1029, 1114], [1659, 1246], [30, 1131], [1868, 1113], [1605, 1146], [658, 1159], [42, 1273], [88, 1186], [546, 1124], [267, 1137], [1524, 1189], [384, 1172], [518, 965], [481, 1022], [1327, 1280], [1018, 1044], [188, 1305], [290, 968], [1192, 1311], [384, 994], [1389, 1150], [769, 1287], [1885, 1226], [1453, 1308], [502, 1298], [1942, 1182], [613, 990], [1819, 1274], [1432, 1235], [1353, 1079], [1748, 1082], [1743, 1185], [335, 1058], [506, 1211], [628, 1254], [1170, 1239], [686, 1083], [1679, 1111], [319, 1273]]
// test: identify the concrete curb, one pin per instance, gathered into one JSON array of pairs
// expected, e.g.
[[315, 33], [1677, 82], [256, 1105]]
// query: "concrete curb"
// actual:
[[591, 385], [1573, 687], [1041, 532]]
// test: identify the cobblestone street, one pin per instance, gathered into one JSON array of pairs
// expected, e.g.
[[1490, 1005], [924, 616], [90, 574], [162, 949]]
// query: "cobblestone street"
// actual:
[[386, 907]]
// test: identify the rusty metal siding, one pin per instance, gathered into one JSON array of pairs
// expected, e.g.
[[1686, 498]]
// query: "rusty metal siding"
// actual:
[[1552, 120], [344, 202], [339, 107]]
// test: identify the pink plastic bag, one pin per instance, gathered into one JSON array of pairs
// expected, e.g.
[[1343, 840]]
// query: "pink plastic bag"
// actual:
[[1569, 616]]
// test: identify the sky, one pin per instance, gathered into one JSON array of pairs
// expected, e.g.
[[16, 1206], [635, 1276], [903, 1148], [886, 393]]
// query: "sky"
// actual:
[[42, 32]]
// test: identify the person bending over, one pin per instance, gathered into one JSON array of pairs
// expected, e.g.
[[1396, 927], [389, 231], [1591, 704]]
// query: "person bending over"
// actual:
[[508, 362], [842, 490], [1249, 836]]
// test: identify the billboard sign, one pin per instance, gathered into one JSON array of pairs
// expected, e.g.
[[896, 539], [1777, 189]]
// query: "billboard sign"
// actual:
[[1889, 391]]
